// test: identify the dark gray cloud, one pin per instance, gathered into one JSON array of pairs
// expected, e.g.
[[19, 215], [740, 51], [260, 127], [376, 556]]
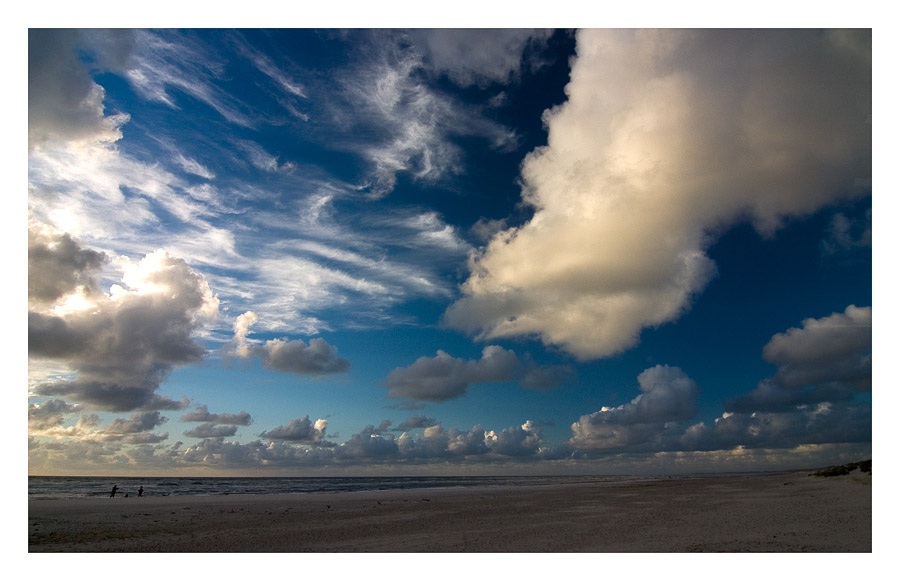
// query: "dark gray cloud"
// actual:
[[367, 446], [809, 401], [120, 345], [803, 425], [202, 414], [58, 265], [63, 101], [315, 358], [524, 440], [825, 360], [416, 421], [299, 430], [667, 395], [835, 348], [445, 377], [49, 414], [295, 356], [137, 429], [772, 396], [111, 396], [138, 422], [210, 430]]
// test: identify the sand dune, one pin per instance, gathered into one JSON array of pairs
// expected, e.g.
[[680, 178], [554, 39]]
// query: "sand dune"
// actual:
[[774, 512]]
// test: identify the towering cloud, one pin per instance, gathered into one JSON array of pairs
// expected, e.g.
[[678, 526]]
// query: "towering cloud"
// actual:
[[64, 103], [666, 138], [120, 345], [667, 395]]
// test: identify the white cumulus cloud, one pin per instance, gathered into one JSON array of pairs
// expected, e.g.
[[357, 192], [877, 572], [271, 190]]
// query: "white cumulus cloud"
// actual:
[[667, 137]]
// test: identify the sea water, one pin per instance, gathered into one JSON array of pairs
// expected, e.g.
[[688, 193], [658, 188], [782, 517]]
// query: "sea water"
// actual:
[[51, 487]]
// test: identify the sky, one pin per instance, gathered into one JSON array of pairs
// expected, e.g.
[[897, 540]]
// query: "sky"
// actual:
[[434, 251]]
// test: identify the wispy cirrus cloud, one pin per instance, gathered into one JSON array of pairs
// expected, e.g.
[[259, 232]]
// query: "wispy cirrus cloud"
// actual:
[[166, 60], [219, 217], [410, 127]]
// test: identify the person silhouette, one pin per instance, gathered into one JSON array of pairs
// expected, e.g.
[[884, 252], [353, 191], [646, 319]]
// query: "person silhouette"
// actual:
[[141, 491], [114, 489]]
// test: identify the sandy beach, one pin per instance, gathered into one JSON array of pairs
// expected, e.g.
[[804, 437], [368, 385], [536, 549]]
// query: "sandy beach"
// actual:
[[787, 512]]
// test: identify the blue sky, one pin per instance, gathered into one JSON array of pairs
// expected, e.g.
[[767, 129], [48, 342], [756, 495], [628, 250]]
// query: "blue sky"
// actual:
[[448, 251]]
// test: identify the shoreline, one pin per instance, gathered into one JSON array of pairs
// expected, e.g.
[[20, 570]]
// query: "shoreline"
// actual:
[[782, 512]]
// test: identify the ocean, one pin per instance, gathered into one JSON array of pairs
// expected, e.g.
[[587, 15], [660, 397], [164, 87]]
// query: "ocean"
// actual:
[[55, 487]]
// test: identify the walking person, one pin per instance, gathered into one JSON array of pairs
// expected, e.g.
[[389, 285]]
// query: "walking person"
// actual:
[[114, 489]]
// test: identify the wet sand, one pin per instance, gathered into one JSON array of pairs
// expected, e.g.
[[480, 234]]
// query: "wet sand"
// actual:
[[788, 512]]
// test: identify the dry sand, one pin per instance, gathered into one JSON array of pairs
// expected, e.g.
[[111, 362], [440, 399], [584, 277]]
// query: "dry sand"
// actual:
[[775, 512]]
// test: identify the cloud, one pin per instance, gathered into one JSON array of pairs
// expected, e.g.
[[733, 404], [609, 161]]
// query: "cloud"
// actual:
[[120, 345], [480, 56], [847, 234], [316, 358], [166, 60], [522, 440], [444, 377], [412, 125], [260, 158], [269, 68], [201, 414], [211, 430], [834, 348], [64, 103], [138, 422], [413, 422], [193, 166], [57, 264], [299, 430], [49, 414], [825, 360], [667, 138], [667, 395], [802, 425]]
